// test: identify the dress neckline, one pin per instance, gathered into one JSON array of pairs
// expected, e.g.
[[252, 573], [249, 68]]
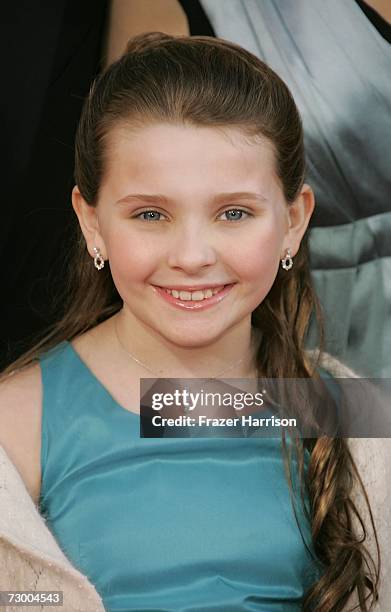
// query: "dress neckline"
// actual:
[[93, 376]]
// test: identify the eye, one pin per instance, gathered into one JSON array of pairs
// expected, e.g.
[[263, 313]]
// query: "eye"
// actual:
[[236, 210], [154, 214]]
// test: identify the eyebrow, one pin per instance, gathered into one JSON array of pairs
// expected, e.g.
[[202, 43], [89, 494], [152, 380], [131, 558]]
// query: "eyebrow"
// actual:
[[218, 198]]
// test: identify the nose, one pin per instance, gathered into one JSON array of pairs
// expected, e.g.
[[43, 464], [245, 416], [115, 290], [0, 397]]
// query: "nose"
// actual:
[[191, 248]]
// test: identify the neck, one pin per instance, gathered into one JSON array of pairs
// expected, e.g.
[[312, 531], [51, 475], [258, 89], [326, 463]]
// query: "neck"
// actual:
[[234, 353]]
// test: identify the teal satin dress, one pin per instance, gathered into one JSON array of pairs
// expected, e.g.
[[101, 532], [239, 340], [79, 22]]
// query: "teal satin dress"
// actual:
[[166, 524]]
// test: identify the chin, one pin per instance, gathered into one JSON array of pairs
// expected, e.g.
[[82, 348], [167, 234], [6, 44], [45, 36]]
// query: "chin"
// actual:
[[194, 339]]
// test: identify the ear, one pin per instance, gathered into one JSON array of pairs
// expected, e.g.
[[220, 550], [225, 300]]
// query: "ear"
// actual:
[[299, 214], [89, 223]]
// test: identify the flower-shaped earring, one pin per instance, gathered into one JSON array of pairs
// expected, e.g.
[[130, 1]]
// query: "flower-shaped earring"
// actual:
[[99, 262], [287, 261]]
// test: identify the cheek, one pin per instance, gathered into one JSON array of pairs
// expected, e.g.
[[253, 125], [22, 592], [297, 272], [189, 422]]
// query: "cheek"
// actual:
[[132, 258], [257, 258]]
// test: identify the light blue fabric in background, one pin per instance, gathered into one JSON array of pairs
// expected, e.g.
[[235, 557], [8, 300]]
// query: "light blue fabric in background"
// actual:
[[185, 524]]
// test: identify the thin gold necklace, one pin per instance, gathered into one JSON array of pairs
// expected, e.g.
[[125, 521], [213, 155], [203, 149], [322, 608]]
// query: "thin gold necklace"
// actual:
[[159, 374]]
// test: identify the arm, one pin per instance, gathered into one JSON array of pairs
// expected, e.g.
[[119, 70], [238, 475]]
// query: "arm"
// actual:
[[20, 425], [383, 7], [126, 18]]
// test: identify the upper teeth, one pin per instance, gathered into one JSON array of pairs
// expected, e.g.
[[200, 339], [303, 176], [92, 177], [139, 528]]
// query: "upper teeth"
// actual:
[[194, 295]]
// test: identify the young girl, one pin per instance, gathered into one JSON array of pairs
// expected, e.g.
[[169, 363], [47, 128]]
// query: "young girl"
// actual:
[[192, 204]]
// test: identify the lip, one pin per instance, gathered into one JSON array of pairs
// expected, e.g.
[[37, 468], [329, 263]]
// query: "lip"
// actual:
[[192, 287], [191, 304]]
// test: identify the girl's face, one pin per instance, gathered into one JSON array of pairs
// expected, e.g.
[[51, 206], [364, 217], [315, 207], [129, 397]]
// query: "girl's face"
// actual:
[[184, 206]]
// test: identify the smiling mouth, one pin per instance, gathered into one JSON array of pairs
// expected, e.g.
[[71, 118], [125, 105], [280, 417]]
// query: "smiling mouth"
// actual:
[[196, 295], [194, 299]]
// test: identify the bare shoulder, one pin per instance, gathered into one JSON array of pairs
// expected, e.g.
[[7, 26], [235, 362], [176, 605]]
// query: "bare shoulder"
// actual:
[[20, 424]]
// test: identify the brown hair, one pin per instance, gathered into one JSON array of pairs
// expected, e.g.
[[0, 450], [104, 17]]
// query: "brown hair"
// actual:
[[211, 82]]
